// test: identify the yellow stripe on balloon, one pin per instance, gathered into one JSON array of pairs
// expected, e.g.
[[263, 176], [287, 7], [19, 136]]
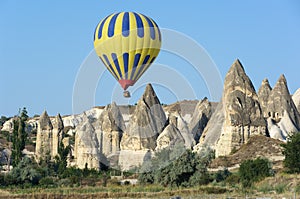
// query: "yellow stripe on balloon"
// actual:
[[131, 43]]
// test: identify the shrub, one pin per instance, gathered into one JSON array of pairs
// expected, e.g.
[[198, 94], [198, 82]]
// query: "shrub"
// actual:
[[292, 155], [265, 188], [47, 182], [25, 171], [280, 188], [233, 179], [254, 170], [222, 175]]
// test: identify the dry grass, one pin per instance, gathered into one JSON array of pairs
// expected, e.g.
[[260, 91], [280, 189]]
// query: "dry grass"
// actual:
[[151, 191], [281, 183]]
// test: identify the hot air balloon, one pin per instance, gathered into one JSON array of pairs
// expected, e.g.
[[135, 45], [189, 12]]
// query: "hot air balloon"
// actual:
[[127, 43]]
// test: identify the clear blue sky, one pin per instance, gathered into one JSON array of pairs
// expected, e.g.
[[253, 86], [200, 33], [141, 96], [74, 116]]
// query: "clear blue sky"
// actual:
[[43, 43]]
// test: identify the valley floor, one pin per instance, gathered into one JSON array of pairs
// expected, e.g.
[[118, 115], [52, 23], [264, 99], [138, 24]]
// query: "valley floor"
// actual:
[[281, 186]]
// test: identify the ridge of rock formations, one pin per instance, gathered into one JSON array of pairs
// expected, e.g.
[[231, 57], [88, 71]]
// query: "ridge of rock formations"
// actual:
[[127, 136]]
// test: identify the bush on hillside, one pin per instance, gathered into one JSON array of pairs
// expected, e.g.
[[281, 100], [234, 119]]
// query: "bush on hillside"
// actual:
[[252, 171], [291, 150]]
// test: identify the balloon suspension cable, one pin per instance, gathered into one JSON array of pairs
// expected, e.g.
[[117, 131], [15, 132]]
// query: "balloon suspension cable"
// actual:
[[126, 94]]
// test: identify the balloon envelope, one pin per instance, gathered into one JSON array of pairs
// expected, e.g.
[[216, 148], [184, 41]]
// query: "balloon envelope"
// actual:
[[127, 43]]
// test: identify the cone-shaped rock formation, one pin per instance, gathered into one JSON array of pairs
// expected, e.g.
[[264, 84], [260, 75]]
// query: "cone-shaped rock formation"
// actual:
[[241, 112], [263, 96], [145, 124]]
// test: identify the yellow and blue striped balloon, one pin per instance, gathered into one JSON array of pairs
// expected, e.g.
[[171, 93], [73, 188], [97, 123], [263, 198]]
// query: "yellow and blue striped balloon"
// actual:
[[127, 43]]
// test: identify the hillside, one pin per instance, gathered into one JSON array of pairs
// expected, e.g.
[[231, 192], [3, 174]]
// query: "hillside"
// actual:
[[257, 146]]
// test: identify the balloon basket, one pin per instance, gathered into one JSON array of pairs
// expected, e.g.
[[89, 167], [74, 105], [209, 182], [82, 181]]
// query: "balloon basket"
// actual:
[[126, 94]]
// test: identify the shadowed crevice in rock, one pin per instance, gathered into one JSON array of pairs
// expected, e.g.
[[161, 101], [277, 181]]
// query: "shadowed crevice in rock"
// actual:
[[213, 129], [202, 114]]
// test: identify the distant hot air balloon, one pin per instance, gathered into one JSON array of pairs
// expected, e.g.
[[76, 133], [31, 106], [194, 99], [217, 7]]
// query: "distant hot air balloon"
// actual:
[[127, 43]]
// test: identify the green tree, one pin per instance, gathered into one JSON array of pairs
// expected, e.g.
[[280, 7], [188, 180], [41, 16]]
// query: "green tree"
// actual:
[[19, 136], [201, 175], [3, 119], [176, 167], [222, 175], [16, 146], [23, 114], [291, 150], [61, 159], [25, 172], [252, 171]]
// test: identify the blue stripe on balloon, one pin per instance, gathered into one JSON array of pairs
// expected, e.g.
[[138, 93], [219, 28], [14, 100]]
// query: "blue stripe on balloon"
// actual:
[[109, 65], [125, 59], [152, 60], [101, 28], [159, 33], [95, 32], [152, 31], [125, 25], [111, 26], [143, 66], [140, 26], [135, 64], [115, 58]]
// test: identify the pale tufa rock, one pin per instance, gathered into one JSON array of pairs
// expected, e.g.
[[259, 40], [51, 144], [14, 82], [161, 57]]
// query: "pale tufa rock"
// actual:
[[263, 96], [145, 124], [296, 99], [238, 117], [44, 136], [86, 149], [200, 118]]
